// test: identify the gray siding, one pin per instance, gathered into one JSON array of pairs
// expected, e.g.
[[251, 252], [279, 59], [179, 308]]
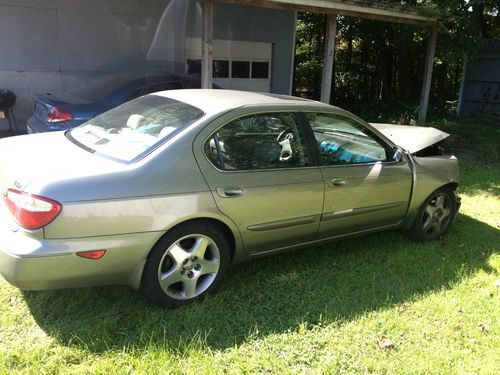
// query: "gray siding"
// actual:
[[481, 83], [61, 45]]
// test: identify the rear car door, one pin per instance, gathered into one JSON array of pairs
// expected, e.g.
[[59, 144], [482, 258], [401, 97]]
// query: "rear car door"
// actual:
[[364, 187], [262, 176]]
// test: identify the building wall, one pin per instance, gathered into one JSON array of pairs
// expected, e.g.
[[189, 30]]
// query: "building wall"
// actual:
[[481, 83], [61, 45]]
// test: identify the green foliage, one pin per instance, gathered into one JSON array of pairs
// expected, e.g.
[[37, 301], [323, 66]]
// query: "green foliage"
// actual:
[[384, 61]]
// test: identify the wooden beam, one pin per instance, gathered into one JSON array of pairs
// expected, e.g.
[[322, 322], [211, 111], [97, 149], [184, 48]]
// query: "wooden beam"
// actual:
[[462, 86], [426, 85], [207, 39], [326, 80], [345, 8]]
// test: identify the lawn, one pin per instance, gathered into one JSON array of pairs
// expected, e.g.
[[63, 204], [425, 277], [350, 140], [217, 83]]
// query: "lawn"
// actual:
[[319, 310]]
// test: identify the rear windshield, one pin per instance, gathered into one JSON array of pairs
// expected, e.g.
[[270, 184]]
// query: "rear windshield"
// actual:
[[132, 130]]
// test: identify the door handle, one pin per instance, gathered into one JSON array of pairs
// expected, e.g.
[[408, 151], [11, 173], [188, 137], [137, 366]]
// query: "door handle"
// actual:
[[338, 182], [230, 192]]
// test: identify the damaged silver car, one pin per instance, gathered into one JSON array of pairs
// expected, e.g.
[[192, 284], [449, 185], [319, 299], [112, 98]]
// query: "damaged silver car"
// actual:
[[166, 191]]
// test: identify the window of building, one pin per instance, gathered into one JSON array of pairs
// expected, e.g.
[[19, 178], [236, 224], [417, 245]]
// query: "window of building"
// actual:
[[240, 69], [260, 69], [220, 69], [194, 66]]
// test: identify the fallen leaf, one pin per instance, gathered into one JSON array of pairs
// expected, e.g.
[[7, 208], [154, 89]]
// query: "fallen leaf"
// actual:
[[13, 300], [454, 300], [457, 327], [403, 306], [482, 255], [260, 297], [460, 245], [460, 310], [483, 327], [497, 283], [385, 343]]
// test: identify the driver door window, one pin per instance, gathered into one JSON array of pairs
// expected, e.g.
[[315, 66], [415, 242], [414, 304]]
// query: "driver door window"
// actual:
[[260, 141], [343, 141]]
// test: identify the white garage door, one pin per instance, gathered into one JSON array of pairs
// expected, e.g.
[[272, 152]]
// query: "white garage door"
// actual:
[[236, 65]]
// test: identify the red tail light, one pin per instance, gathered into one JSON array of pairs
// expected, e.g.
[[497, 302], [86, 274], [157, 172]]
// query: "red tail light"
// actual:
[[59, 115], [31, 211]]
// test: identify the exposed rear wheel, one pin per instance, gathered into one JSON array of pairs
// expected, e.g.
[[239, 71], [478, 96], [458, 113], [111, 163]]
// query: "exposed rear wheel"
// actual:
[[435, 216], [186, 264]]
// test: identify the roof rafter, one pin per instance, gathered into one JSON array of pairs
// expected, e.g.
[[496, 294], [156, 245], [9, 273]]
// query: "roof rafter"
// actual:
[[378, 10]]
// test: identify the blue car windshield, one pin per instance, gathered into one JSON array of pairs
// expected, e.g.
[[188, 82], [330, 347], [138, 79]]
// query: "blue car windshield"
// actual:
[[132, 130]]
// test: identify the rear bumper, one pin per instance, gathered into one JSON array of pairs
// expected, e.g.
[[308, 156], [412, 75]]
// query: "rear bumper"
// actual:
[[33, 264], [36, 126]]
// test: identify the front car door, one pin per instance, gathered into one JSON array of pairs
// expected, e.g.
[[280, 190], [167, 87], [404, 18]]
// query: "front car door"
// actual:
[[262, 176], [364, 187]]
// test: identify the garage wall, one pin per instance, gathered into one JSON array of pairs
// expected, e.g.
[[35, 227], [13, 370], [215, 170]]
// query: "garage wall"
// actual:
[[61, 45]]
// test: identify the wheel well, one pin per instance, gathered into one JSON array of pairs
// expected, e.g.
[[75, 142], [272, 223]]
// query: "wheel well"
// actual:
[[452, 186], [226, 231]]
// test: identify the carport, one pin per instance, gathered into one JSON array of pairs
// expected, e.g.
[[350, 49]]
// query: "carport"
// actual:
[[377, 10]]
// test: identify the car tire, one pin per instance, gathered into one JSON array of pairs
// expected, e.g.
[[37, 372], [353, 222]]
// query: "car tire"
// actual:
[[435, 216], [186, 264]]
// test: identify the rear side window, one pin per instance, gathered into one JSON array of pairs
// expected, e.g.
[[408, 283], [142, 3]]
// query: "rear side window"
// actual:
[[260, 141]]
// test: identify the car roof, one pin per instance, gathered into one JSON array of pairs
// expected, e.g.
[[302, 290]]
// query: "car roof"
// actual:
[[216, 101]]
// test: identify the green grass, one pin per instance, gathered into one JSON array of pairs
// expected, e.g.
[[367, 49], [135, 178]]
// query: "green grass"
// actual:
[[317, 310]]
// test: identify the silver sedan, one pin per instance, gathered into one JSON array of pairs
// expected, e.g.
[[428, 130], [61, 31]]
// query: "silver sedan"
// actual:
[[164, 192]]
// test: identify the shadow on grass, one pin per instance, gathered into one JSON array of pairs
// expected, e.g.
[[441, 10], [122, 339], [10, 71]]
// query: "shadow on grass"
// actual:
[[335, 282]]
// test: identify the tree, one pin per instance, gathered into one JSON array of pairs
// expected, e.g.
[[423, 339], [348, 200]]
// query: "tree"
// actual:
[[384, 61]]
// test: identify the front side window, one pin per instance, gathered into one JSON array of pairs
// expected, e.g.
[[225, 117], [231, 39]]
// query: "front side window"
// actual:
[[342, 141], [134, 129], [261, 141]]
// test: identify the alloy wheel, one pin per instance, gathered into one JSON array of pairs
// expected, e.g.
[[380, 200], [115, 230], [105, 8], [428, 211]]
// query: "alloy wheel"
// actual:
[[189, 266]]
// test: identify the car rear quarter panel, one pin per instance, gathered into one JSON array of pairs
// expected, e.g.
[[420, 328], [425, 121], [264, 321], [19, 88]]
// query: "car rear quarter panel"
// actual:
[[129, 215], [153, 195]]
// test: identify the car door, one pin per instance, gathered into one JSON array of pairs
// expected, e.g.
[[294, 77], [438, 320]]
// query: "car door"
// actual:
[[262, 176], [364, 187]]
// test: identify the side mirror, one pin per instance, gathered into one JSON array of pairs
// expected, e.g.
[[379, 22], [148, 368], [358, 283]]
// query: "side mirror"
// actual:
[[397, 154]]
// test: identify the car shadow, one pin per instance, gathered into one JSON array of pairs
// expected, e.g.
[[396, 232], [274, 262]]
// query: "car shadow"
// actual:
[[334, 282]]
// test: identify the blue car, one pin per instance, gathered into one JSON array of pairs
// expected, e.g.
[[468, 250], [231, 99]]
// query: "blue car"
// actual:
[[54, 112]]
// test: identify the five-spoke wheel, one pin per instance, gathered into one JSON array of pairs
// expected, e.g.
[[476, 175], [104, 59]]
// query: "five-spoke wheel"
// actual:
[[187, 263], [435, 216]]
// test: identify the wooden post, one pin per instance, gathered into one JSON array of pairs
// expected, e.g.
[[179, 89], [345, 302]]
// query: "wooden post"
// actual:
[[207, 44], [326, 81], [426, 86]]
